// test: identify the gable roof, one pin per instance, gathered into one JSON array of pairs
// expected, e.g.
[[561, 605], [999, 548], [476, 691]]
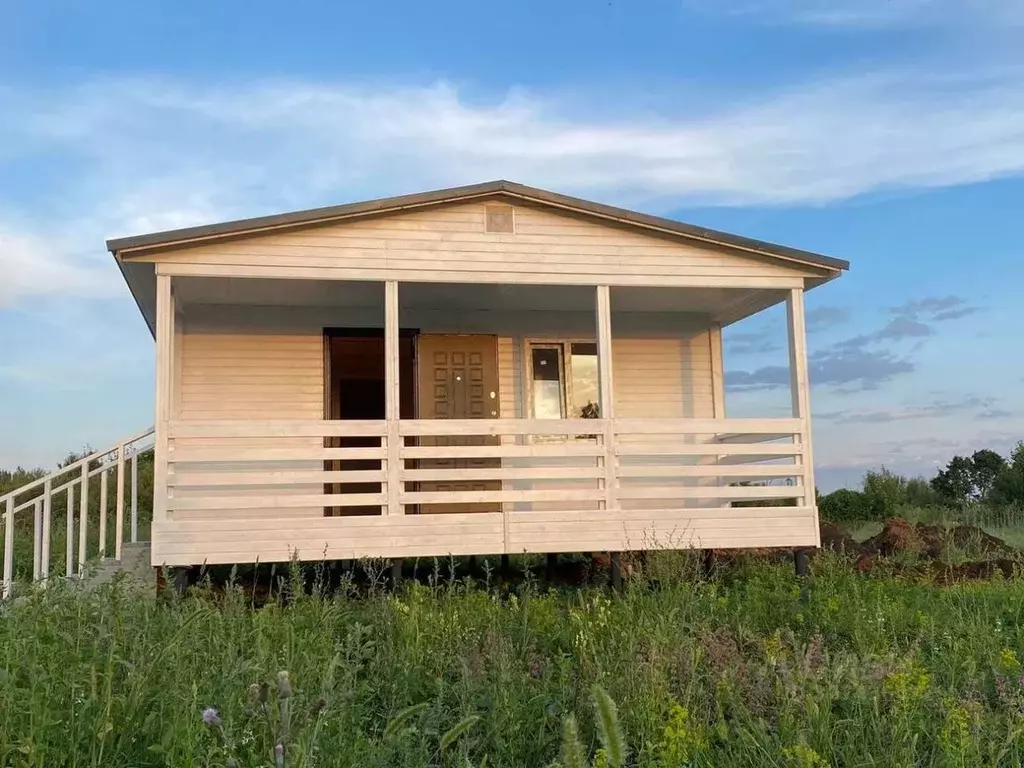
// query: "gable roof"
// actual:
[[510, 189]]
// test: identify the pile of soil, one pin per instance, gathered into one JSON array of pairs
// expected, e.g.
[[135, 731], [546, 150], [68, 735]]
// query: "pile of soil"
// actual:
[[899, 536], [836, 539]]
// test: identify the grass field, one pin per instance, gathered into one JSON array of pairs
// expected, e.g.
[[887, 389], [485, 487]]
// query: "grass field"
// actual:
[[737, 670]]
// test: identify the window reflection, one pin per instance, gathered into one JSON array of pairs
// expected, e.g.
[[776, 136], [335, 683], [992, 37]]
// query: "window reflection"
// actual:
[[547, 383]]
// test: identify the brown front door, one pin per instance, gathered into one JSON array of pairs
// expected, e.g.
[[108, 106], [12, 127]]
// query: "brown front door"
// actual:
[[458, 379]]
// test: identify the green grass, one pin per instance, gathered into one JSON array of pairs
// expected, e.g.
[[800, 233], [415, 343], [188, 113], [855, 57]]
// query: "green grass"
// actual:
[[737, 671]]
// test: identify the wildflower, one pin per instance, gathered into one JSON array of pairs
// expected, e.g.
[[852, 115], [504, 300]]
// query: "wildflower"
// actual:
[[681, 738], [317, 707], [255, 692], [210, 716], [279, 756], [284, 686], [802, 756], [1009, 663]]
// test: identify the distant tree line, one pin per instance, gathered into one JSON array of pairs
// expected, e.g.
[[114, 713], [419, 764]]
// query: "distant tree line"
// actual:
[[985, 480]]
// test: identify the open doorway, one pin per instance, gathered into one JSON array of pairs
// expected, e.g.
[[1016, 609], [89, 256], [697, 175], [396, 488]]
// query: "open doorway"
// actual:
[[354, 390]]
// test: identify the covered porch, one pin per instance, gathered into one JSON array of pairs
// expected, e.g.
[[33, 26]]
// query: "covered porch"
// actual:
[[485, 418]]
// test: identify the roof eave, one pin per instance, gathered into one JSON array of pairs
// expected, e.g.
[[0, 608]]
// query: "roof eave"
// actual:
[[458, 194]]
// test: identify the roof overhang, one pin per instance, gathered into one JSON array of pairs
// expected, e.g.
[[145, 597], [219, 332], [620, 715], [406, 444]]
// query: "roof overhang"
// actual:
[[141, 280]]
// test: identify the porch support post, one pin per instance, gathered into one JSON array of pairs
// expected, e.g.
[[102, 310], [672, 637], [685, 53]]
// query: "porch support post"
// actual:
[[604, 379], [800, 390], [391, 396], [164, 382]]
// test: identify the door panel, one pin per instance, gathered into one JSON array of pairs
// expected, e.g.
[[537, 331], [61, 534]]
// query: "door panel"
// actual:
[[458, 379]]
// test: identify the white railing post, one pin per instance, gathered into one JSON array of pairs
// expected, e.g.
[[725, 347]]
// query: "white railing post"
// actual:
[[8, 547], [393, 485], [104, 494], [47, 519], [605, 391], [37, 538], [83, 517], [135, 495], [69, 541], [119, 500], [800, 389]]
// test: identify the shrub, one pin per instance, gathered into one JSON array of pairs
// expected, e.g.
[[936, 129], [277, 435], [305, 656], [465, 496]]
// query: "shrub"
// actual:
[[846, 505]]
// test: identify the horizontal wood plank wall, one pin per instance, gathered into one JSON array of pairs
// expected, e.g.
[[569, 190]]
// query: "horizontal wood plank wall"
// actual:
[[246, 541], [234, 374], [663, 379], [449, 244]]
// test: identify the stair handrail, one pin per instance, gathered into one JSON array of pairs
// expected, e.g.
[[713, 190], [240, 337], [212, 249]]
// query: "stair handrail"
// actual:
[[76, 465], [80, 473]]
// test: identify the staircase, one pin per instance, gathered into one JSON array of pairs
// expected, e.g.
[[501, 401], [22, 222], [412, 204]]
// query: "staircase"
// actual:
[[52, 529]]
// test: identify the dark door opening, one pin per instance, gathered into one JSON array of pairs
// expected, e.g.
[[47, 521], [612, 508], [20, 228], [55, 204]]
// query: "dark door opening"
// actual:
[[354, 388]]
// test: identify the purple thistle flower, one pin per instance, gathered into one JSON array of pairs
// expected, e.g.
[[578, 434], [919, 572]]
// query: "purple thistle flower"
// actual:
[[279, 755], [210, 716]]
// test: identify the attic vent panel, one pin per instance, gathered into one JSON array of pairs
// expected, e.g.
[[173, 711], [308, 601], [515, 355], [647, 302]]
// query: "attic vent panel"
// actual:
[[499, 219]]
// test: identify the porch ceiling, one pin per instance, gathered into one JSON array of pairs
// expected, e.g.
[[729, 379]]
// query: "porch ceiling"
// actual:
[[723, 305]]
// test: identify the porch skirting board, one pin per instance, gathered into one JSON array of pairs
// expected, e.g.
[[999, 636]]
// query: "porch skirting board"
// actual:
[[229, 541]]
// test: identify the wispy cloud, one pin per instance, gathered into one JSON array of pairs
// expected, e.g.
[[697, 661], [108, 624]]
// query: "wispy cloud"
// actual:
[[980, 407], [34, 265], [144, 154], [870, 14], [865, 361], [822, 318]]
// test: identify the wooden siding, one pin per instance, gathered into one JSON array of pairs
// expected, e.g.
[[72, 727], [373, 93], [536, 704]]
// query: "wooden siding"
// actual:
[[234, 375], [449, 244], [241, 375]]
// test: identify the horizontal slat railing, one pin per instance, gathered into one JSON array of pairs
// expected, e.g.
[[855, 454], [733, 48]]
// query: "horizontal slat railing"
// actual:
[[256, 468], [709, 462], [503, 485], [60, 502], [502, 465]]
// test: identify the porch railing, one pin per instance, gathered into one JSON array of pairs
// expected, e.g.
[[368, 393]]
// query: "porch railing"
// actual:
[[29, 512], [236, 467]]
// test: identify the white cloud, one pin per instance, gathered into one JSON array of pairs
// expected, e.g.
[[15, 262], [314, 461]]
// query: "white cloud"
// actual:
[[872, 13], [144, 155], [32, 265]]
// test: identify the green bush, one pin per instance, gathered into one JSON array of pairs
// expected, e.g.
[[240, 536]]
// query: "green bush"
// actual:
[[846, 505]]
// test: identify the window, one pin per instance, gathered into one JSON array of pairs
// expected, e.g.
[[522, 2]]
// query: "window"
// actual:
[[563, 380]]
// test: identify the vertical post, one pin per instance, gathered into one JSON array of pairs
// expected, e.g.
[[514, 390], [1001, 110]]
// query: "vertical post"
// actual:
[[615, 567], [800, 391], [717, 402], [135, 496], [119, 501], [104, 495], [604, 379], [83, 517], [37, 538], [164, 350], [717, 371], [47, 519], [69, 539], [8, 547], [391, 398]]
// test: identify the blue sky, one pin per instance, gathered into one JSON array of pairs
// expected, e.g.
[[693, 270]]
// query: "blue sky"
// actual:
[[886, 132]]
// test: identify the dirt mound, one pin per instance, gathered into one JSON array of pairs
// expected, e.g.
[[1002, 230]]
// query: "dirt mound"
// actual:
[[900, 536], [835, 538], [967, 536], [897, 536]]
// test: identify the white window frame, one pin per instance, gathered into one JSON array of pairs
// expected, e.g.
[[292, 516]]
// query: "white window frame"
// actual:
[[564, 345]]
